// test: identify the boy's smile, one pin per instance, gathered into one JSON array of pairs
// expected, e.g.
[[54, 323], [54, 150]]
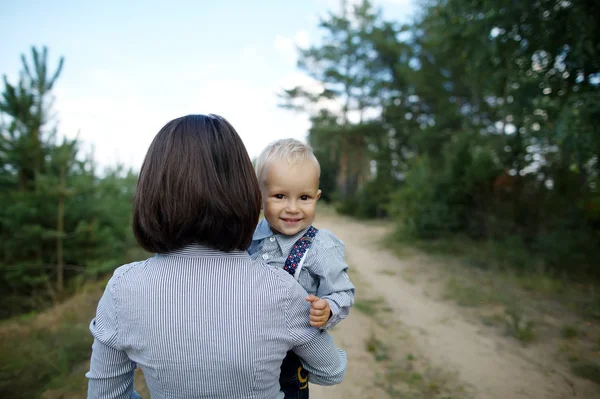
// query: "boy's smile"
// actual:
[[290, 194], [290, 221]]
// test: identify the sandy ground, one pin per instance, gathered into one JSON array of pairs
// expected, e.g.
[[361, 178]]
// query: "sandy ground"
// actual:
[[417, 325]]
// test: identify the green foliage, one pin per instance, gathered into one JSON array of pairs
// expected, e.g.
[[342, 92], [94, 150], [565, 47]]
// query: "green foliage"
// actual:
[[60, 220], [477, 118], [437, 198], [569, 332], [368, 203], [421, 205], [588, 370]]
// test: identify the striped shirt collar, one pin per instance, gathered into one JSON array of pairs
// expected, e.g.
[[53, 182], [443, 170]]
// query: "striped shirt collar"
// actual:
[[200, 251], [263, 231]]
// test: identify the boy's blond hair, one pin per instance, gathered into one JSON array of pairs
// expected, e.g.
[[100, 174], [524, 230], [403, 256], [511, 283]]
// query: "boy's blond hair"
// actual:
[[292, 150]]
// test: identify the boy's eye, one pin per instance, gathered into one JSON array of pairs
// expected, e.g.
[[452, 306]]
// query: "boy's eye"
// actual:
[[304, 197], [278, 196]]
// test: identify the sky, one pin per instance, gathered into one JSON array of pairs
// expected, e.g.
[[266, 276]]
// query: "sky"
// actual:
[[130, 67]]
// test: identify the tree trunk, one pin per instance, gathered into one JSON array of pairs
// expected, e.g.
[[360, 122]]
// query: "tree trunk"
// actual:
[[360, 164], [343, 172], [60, 227]]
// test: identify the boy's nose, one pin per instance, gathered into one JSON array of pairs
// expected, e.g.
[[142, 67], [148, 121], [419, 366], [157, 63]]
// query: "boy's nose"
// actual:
[[291, 207]]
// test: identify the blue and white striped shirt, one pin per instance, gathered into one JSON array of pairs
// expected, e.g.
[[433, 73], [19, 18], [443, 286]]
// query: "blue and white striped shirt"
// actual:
[[204, 324]]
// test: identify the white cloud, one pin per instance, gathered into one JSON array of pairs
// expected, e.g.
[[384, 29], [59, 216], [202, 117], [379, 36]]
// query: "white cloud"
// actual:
[[313, 86], [285, 47], [400, 10], [335, 5], [120, 121], [120, 128], [250, 54], [302, 39], [296, 78], [288, 46], [408, 3]]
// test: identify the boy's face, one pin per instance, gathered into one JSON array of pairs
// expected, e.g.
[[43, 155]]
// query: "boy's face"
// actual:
[[290, 195]]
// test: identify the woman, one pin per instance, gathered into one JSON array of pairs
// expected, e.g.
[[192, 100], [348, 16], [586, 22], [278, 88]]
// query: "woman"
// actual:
[[199, 318]]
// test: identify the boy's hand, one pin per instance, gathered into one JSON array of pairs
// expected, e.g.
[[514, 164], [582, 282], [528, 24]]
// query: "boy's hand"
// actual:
[[319, 311]]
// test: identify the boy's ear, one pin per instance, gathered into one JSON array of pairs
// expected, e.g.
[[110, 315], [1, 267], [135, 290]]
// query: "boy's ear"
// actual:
[[319, 194]]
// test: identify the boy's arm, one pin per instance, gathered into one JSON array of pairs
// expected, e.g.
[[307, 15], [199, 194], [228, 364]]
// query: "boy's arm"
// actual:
[[334, 284], [325, 363]]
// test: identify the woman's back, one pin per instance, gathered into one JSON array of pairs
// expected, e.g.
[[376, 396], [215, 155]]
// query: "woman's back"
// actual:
[[204, 323]]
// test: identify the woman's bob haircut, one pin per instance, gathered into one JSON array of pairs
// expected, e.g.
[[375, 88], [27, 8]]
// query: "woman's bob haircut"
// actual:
[[196, 186]]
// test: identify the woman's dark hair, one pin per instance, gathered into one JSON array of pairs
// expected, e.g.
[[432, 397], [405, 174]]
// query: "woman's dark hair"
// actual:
[[196, 185]]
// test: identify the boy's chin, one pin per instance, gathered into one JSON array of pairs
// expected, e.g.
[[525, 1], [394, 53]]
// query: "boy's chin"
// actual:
[[290, 230]]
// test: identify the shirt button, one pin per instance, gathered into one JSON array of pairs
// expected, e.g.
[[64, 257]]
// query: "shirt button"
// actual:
[[272, 239], [265, 256]]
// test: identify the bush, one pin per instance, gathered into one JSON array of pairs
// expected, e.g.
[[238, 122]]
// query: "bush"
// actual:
[[422, 206], [450, 194], [369, 203]]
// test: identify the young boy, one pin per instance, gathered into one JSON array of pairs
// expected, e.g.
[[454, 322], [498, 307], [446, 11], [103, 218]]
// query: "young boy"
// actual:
[[288, 174]]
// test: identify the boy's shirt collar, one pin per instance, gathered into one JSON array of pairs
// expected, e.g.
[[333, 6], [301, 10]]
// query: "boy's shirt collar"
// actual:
[[263, 231]]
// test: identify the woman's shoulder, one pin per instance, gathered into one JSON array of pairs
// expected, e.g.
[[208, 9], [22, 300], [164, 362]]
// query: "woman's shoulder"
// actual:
[[271, 275], [271, 272], [125, 272]]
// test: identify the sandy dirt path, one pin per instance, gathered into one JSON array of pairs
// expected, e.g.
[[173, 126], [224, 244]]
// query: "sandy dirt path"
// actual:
[[485, 365]]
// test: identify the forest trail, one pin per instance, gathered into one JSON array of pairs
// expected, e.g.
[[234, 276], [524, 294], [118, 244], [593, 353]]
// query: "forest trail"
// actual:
[[403, 341]]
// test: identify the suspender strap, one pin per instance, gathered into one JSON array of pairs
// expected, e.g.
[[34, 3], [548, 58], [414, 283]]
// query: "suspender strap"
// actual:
[[295, 259]]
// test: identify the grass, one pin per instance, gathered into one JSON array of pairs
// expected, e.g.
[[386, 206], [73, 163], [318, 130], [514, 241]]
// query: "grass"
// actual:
[[485, 273], [466, 293], [472, 282], [591, 307], [377, 348], [47, 352], [369, 306], [517, 326], [508, 290], [408, 379], [504, 265], [569, 332], [409, 276], [492, 320], [405, 375], [588, 370]]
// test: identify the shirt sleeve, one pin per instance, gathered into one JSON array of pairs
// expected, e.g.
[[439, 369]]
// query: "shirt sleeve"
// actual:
[[111, 371], [325, 363], [334, 284]]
